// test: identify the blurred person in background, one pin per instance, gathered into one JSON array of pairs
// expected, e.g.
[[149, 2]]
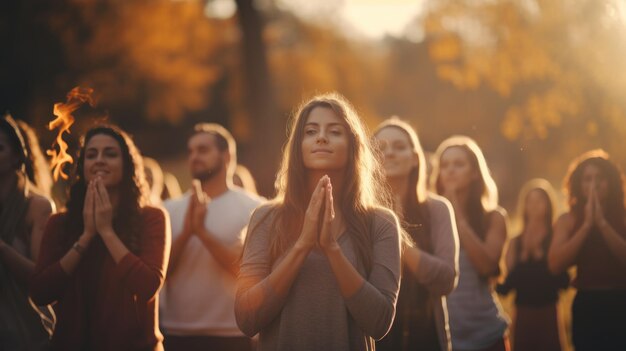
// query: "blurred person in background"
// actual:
[[244, 179], [171, 187], [592, 237], [154, 177], [536, 324], [430, 266], [460, 173], [208, 225], [103, 261], [321, 264], [24, 210], [37, 167]]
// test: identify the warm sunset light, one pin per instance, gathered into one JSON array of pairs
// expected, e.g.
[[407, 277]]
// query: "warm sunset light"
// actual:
[[494, 131]]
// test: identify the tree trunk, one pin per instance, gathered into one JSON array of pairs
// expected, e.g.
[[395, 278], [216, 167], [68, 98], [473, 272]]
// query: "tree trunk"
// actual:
[[267, 126]]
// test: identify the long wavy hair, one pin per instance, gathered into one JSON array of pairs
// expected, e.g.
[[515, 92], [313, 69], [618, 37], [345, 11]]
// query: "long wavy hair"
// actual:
[[415, 219], [133, 189], [36, 165], [416, 224], [613, 205], [363, 188], [9, 127], [483, 192]]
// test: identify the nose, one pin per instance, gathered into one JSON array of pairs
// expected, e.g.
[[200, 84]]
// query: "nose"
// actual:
[[388, 152], [100, 158], [321, 138]]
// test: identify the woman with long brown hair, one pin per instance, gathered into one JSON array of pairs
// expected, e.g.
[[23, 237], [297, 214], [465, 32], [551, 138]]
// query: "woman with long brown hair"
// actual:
[[592, 237], [24, 211], [321, 264], [536, 324], [461, 175], [103, 261], [430, 265]]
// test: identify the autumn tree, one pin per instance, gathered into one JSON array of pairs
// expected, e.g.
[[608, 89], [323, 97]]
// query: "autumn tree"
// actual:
[[553, 61]]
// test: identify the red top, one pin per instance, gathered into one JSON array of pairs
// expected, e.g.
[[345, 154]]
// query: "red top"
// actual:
[[104, 305], [597, 267]]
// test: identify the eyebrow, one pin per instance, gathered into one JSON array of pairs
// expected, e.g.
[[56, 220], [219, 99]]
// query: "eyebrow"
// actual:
[[106, 148], [328, 124]]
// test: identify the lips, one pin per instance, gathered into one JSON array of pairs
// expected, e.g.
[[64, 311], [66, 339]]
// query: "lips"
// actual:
[[322, 151]]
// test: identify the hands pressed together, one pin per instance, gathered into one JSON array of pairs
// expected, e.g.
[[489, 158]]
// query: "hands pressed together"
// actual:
[[594, 213], [97, 210], [317, 229], [197, 210]]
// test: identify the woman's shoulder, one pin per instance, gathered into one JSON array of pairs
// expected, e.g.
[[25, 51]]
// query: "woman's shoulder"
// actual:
[[566, 220], [383, 217], [263, 213], [265, 208], [57, 219], [152, 210], [437, 203], [384, 213], [38, 202], [498, 214], [153, 213]]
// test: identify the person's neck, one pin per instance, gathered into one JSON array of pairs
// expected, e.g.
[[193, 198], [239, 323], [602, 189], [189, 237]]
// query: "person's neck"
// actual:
[[536, 226], [7, 182], [462, 196], [215, 186], [399, 188]]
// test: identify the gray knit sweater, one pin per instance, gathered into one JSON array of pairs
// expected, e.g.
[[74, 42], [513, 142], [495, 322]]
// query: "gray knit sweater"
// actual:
[[314, 315]]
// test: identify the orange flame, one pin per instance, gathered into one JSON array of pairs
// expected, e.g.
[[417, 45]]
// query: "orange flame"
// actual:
[[64, 120]]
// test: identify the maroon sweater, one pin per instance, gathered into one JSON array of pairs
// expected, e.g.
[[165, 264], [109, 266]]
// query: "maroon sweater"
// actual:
[[103, 305]]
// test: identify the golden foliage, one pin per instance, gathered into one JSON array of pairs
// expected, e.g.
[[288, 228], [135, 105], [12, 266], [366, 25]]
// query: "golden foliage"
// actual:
[[131, 50], [306, 59], [559, 60]]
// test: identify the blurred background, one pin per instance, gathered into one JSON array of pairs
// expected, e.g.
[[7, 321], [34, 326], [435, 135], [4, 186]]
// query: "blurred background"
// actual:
[[535, 82]]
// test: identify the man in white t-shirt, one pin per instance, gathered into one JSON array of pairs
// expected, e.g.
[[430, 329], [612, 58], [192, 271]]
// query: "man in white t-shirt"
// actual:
[[197, 302]]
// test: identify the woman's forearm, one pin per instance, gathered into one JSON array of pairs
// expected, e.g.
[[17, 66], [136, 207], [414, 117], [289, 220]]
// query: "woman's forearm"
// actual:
[[563, 252], [116, 247], [348, 278], [616, 244], [70, 260], [259, 299]]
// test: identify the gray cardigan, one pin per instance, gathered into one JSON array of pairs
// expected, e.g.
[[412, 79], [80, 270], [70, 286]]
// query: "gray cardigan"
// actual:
[[314, 315], [439, 272]]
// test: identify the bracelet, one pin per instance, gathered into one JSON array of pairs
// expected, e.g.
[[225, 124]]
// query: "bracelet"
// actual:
[[78, 248]]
